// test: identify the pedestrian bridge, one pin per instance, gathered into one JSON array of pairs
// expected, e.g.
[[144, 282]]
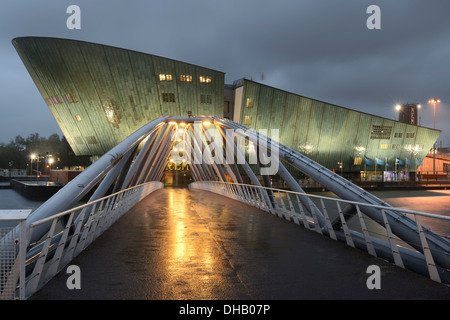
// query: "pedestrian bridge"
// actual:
[[225, 159]]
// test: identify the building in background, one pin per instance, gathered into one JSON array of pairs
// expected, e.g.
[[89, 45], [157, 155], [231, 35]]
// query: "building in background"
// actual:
[[101, 94], [409, 113]]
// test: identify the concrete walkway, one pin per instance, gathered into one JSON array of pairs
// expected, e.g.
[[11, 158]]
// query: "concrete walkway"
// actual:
[[186, 244]]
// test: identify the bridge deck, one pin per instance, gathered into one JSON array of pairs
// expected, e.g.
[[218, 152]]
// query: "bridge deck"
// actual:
[[189, 244]]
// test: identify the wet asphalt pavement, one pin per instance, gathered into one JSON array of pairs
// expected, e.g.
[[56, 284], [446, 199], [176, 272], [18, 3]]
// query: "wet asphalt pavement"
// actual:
[[180, 244]]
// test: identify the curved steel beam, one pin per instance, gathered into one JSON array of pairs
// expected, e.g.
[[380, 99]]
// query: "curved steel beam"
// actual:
[[402, 225]]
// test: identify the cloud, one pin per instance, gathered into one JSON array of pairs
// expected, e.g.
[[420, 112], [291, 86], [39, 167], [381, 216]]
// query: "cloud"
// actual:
[[317, 48]]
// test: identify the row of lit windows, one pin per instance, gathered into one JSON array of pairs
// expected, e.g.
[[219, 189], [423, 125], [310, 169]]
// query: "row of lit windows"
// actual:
[[380, 132], [184, 78], [400, 135], [56, 99], [417, 147]]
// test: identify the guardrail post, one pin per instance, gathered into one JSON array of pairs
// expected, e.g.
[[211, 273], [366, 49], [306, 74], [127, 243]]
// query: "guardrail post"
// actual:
[[395, 253], [369, 244], [348, 236], [434, 275], [328, 221], [13, 260]]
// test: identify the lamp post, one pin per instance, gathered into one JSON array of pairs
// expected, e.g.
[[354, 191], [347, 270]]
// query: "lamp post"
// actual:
[[434, 101], [33, 157]]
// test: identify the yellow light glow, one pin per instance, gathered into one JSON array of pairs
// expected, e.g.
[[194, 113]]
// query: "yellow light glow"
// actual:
[[398, 107], [206, 123], [182, 124], [179, 140], [172, 122], [33, 156]]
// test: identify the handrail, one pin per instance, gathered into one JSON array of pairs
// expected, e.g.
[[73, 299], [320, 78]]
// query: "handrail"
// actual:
[[41, 260], [63, 213], [361, 204], [389, 249]]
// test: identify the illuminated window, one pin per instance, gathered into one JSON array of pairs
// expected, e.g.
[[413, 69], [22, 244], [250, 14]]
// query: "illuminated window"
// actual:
[[78, 117], [247, 120], [186, 78], [384, 146], [168, 97], [165, 77], [380, 132], [56, 99], [205, 79], [357, 161], [249, 102], [205, 98]]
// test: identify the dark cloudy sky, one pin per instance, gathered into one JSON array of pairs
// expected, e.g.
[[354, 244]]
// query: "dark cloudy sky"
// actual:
[[317, 48]]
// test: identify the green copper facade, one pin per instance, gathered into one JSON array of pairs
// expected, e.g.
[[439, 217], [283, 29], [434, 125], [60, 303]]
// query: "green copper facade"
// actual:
[[331, 135], [100, 94]]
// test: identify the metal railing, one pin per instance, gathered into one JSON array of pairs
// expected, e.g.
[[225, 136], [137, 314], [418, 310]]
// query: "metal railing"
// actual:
[[361, 232], [70, 232], [12, 253]]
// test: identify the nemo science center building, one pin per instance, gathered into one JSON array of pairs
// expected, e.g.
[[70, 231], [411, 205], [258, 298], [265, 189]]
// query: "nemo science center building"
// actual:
[[100, 94]]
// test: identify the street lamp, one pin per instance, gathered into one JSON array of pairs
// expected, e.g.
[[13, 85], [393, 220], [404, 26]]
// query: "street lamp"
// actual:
[[434, 101], [32, 156]]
